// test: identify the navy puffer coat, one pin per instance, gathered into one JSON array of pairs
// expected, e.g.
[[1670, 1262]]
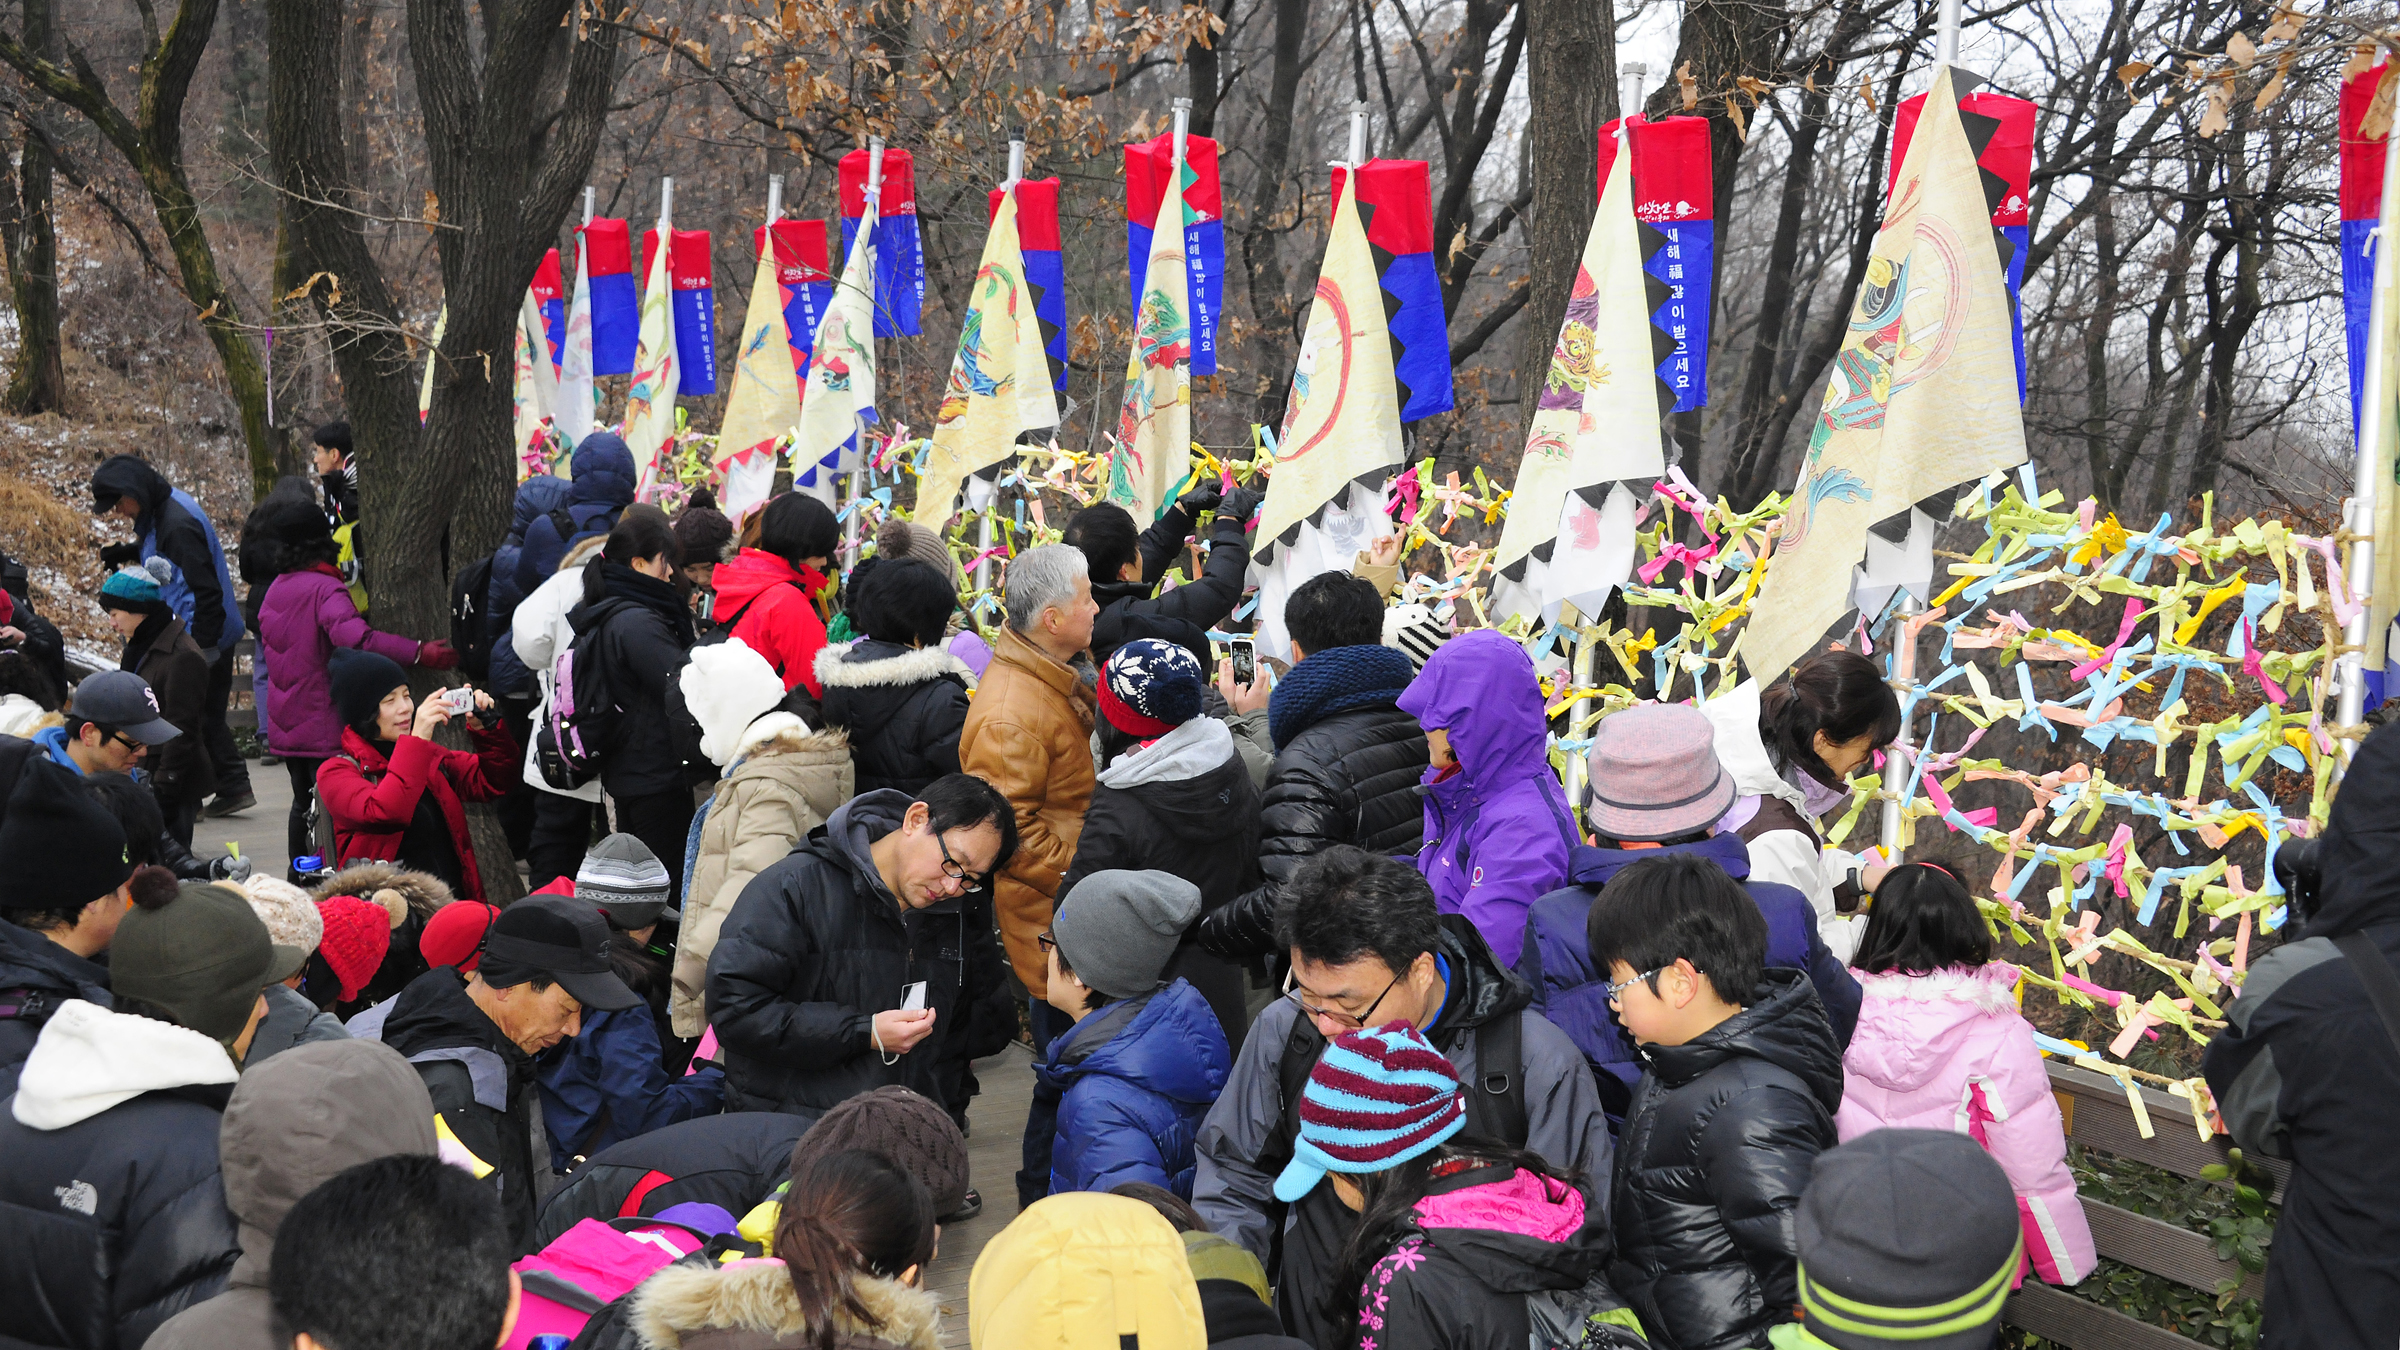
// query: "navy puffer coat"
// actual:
[[603, 488], [1127, 1088]]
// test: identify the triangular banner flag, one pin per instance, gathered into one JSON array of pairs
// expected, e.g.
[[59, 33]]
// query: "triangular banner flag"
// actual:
[[650, 400], [999, 380], [765, 402], [571, 411], [1923, 395], [841, 371], [535, 388], [1152, 457]]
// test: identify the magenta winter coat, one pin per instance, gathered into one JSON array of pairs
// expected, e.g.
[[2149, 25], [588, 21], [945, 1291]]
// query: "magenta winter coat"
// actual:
[[305, 616], [1497, 831], [1950, 1051]]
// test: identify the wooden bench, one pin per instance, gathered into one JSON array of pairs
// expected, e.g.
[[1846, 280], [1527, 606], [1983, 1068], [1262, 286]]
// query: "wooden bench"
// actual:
[[2098, 1117]]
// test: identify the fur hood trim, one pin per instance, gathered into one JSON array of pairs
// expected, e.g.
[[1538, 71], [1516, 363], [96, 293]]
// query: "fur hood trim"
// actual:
[[756, 1295], [782, 733], [1989, 988], [423, 891], [925, 663]]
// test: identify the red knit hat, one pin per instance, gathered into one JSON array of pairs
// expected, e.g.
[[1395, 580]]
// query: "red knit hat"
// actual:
[[454, 935], [357, 935]]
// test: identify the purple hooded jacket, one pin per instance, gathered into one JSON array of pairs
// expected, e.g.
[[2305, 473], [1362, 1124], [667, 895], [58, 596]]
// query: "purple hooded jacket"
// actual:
[[1497, 831], [305, 616]]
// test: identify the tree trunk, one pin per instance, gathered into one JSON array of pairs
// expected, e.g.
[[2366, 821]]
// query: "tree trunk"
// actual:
[[39, 381], [1571, 80]]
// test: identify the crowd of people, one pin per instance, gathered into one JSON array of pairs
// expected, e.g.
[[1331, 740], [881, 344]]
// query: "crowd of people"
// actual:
[[1349, 1026]]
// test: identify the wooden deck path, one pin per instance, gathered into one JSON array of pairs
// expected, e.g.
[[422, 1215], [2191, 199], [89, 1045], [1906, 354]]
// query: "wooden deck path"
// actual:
[[995, 1131]]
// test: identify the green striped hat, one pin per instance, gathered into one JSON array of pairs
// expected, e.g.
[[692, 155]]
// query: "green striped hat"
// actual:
[[1907, 1237]]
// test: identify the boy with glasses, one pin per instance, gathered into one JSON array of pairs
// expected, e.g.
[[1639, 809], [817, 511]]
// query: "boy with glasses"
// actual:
[[808, 984], [1368, 948]]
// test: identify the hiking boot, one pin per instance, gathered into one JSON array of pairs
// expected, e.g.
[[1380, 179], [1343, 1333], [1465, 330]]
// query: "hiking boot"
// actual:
[[233, 805]]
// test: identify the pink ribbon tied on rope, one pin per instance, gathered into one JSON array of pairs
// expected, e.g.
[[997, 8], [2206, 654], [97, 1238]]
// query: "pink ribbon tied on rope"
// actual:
[[2133, 615], [1670, 553], [2253, 666], [2117, 844]]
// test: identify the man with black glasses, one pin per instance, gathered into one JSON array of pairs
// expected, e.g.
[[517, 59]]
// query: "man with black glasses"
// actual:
[[1368, 948], [813, 984]]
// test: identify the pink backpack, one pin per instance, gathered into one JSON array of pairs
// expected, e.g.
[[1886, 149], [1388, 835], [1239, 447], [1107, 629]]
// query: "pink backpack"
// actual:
[[593, 1264]]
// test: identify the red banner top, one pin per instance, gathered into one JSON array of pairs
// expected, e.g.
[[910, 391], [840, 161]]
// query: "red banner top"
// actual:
[[1671, 168], [899, 195], [691, 263], [547, 285], [1037, 214], [1147, 166], [2362, 159], [1396, 198], [608, 246], [2009, 154], [800, 253]]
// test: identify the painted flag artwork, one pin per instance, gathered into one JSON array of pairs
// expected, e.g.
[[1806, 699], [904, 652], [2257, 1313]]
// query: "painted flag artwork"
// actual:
[[1341, 428], [1148, 169], [550, 302], [441, 325], [650, 399], [1395, 206], [691, 271], [616, 307], [899, 253], [1920, 400], [535, 390], [841, 372], [571, 409], [804, 276], [1594, 448], [1151, 456], [764, 404], [999, 380], [2362, 204], [1675, 200], [1045, 266], [2000, 132]]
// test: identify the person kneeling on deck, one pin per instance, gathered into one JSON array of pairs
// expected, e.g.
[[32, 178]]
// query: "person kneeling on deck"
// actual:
[[839, 961]]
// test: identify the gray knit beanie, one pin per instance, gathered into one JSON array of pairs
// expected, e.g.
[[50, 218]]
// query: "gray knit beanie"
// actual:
[[627, 881], [1117, 930]]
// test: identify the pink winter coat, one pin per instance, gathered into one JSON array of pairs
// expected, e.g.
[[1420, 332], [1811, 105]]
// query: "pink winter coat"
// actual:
[[1950, 1051], [305, 615]]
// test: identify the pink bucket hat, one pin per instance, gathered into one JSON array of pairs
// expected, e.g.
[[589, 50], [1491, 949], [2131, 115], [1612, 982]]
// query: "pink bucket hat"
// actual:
[[1654, 774]]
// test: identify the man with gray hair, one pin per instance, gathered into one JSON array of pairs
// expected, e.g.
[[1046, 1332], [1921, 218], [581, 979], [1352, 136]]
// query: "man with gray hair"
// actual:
[[1028, 733]]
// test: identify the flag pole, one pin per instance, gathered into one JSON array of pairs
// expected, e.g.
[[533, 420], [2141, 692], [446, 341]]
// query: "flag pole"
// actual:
[[1638, 73], [984, 531], [666, 209], [2376, 455], [858, 467], [1358, 134], [591, 201], [774, 198], [1945, 37]]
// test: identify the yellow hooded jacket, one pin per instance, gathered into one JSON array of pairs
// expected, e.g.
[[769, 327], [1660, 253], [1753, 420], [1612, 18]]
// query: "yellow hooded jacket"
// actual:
[[1082, 1271]]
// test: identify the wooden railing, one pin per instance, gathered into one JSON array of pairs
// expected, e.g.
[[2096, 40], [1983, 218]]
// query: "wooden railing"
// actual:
[[2098, 1117]]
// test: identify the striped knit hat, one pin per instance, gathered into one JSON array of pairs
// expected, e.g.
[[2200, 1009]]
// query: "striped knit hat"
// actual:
[[1150, 686], [1377, 1099], [1907, 1237], [627, 881]]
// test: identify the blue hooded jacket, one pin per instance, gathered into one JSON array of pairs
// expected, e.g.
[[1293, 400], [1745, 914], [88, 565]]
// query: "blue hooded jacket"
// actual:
[[1557, 961], [1497, 831], [603, 488], [172, 526], [537, 497], [609, 1083], [1127, 1088]]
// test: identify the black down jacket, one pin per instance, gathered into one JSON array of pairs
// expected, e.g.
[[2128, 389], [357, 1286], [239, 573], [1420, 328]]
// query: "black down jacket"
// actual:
[[482, 1085], [1129, 610], [644, 632], [37, 975], [1347, 776], [1183, 804], [813, 949], [733, 1161], [111, 1221], [903, 707], [1717, 1147]]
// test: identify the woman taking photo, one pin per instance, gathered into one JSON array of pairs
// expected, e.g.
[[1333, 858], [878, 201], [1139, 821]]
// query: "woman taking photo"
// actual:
[[634, 620], [850, 1254], [1791, 751]]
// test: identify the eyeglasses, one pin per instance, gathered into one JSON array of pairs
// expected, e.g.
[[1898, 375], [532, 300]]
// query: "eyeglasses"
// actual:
[[1617, 988], [131, 745], [1045, 942], [1354, 1021], [950, 868]]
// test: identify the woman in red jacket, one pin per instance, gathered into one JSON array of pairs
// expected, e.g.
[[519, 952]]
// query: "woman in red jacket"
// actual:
[[393, 794], [768, 594]]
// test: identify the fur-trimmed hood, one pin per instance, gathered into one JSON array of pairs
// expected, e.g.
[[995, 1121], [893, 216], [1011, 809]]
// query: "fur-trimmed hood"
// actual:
[[753, 1300], [782, 733], [835, 669], [423, 892]]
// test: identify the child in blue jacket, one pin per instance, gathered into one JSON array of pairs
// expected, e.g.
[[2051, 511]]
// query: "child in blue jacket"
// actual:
[[1121, 1095]]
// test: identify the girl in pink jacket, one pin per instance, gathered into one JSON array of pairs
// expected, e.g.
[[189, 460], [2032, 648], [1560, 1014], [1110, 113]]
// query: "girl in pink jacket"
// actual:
[[1941, 1045]]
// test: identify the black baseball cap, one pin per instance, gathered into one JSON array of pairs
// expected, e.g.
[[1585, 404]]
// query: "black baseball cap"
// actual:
[[124, 700], [561, 938]]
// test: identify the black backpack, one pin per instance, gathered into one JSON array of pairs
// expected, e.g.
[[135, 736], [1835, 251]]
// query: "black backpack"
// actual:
[[473, 625]]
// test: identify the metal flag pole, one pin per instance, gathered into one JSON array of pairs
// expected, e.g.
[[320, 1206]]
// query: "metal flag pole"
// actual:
[[1639, 73], [1183, 128], [851, 545], [666, 208], [1945, 37], [1358, 134], [774, 197], [2376, 456]]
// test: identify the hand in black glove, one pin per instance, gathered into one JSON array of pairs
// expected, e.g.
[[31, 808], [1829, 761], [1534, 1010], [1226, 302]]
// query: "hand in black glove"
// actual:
[[118, 555], [1240, 504], [1202, 498]]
